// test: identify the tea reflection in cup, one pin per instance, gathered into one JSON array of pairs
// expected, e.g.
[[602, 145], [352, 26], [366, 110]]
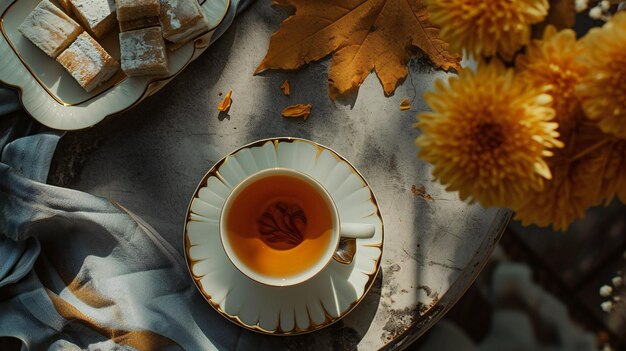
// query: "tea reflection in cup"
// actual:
[[280, 227]]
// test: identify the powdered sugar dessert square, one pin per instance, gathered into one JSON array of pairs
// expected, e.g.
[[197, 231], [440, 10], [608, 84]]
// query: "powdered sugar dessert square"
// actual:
[[182, 20], [139, 23], [137, 14], [143, 52], [98, 16], [128, 10], [50, 29], [88, 62]]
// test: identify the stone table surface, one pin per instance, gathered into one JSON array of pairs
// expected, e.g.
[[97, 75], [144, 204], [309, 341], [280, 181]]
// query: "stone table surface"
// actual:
[[151, 158]]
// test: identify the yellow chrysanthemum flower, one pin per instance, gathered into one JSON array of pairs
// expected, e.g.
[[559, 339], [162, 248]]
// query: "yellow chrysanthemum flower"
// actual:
[[590, 170], [603, 90], [487, 27], [577, 173], [554, 62], [487, 135], [614, 179]]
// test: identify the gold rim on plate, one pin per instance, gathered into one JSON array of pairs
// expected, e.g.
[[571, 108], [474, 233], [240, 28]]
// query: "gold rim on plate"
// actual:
[[200, 42]]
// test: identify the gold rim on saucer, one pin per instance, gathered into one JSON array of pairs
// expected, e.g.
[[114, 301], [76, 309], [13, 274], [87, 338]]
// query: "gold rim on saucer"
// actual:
[[313, 325]]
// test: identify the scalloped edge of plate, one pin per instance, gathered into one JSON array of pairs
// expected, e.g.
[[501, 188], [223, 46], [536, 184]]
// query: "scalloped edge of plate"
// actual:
[[44, 106]]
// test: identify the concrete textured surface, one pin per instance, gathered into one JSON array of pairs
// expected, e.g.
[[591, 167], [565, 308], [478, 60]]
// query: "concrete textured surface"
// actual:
[[151, 158]]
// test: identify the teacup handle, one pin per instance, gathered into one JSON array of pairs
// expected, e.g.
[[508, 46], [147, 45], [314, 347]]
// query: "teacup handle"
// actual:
[[347, 244], [357, 230]]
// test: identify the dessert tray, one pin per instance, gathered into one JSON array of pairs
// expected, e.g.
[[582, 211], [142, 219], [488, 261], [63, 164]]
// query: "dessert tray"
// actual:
[[316, 303], [50, 94]]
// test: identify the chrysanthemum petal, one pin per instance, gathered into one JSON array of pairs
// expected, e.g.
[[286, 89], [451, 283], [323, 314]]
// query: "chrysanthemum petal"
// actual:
[[487, 27], [603, 90], [591, 168], [487, 135], [554, 63]]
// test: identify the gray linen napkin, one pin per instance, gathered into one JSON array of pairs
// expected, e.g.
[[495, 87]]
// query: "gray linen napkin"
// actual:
[[80, 273]]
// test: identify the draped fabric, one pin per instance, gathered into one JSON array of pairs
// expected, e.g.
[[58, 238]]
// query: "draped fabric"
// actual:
[[80, 273]]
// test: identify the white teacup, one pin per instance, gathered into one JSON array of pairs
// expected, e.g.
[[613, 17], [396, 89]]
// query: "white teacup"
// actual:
[[338, 230]]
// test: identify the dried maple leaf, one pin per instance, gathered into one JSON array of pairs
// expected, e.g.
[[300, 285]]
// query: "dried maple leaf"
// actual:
[[362, 35], [225, 103], [286, 88], [298, 110], [405, 105]]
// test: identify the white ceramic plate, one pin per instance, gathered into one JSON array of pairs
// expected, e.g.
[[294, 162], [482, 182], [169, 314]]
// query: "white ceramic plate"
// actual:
[[53, 97], [302, 308]]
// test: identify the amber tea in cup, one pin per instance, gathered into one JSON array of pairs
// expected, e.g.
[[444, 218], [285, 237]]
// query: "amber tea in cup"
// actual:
[[281, 227]]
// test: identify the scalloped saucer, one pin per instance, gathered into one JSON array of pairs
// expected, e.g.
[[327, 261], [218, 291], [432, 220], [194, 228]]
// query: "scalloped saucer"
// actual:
[[306, 307]]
